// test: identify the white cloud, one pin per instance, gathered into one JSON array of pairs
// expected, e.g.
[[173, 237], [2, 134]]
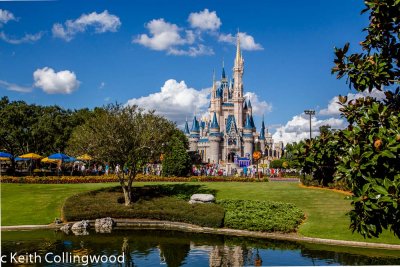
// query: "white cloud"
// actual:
[[164, 36], [247, 42], [51, 82], [205, 20], [6, 16], [259, 107], [27, 38], [15, 87], [299, 128], [192, 51], [176, 101], [333, 106], [101, 22]]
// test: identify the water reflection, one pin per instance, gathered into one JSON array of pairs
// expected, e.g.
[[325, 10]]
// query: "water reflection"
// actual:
[[170, 248]]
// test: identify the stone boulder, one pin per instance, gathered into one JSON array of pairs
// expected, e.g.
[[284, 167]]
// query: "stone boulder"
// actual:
[[202, 198], [104, 225], [66, 228], [80, 228]]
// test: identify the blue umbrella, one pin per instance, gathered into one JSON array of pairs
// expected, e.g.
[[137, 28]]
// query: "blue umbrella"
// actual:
[[60, 156], [21, 159], [5, 155], [70, 159]]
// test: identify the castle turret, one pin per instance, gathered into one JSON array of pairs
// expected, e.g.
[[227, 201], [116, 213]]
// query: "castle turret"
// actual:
[[237, 97], [248, 138], [194, 135], [214, 139]]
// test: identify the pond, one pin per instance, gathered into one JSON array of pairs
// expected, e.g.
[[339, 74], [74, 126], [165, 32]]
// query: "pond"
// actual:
[[173, 248]]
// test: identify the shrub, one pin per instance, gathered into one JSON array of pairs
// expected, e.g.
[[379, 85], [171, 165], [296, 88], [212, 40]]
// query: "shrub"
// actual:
[[152, 205], [264, 216]]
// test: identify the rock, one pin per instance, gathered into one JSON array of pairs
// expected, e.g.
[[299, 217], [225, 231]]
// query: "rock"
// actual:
[[104, 225], [80, 228], [201, 198], [66, 228], [80, 231]]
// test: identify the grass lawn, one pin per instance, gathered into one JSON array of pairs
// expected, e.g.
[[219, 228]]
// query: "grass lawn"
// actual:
[[25, 204], [325, 210]]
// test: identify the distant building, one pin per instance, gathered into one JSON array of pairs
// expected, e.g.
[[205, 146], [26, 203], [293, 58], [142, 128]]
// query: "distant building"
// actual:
[[230, 135]]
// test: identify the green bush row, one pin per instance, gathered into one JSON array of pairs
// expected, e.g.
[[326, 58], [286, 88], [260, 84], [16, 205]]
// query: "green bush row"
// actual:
[[266, 216]]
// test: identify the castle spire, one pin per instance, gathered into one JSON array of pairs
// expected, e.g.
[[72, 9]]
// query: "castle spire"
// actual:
[[195, 125], [223, 69], [238, 59], [213, 76], [248, 124], [186, 131], [214, 123], [262, 131]]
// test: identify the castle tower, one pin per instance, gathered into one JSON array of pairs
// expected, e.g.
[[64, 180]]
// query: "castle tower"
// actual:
[[194, 135], [214, 138], [248, 138], [237, 97]]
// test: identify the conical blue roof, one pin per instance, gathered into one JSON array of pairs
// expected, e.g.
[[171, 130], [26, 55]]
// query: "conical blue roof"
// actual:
[[195, 125], [245, 105], [186, 131], [252, 121], [223, 72], [262, 131], [214, 123], [249, 105], [248, 123]]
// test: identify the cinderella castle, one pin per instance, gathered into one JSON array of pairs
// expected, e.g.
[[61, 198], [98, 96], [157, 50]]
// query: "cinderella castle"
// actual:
[[230, 134]]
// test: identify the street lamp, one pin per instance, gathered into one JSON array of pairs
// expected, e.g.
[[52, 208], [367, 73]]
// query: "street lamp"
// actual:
[[310, 112]]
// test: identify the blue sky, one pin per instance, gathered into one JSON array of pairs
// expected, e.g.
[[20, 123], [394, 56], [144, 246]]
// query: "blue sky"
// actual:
[[107, 53]]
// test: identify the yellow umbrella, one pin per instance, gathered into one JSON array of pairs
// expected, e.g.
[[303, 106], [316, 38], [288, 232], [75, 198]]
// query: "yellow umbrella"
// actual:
[[47, 160], [31, 156], [4, 159], [84, 157]]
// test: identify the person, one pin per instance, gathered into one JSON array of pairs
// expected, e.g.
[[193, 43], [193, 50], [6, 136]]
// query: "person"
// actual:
[[83, 169], [107, 169], [99, 169], [117, 169], [59, 170], [245, 171]]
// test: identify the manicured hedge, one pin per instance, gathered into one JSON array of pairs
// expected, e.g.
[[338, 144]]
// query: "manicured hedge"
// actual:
[[108, 203], [113, 179], [264, 216]]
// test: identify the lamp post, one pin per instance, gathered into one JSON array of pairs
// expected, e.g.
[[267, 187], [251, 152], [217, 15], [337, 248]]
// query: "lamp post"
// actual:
[[310, 112]]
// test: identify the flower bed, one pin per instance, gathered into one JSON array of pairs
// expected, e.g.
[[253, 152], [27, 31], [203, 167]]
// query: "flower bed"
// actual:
[[113, 179]]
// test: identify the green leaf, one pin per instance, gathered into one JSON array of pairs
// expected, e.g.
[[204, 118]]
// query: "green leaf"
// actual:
[[380, 189]]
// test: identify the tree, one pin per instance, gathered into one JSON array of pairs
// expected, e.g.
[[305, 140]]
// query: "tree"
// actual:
[[370, 162], [176, 160], [124, 135], [318, 157], [41, 129]]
